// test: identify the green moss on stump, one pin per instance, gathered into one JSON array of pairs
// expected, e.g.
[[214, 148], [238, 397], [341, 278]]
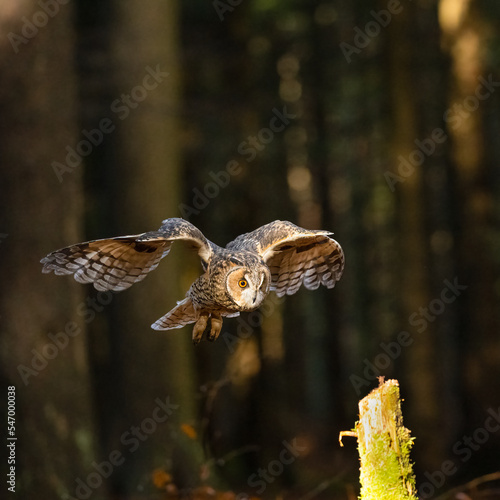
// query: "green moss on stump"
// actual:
[[384, 446]]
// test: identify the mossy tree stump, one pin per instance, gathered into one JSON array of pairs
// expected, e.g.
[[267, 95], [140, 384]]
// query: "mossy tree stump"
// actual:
[[384, 445]]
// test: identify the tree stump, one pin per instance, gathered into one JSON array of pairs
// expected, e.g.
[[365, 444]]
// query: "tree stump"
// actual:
[[384, 445]]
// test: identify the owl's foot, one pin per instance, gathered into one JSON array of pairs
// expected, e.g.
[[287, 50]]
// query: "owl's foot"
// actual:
[[199, 328], [201, 325], [215, 327]]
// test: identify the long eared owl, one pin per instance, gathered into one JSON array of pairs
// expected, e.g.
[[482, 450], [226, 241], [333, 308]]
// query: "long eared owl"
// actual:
[[278, 256]]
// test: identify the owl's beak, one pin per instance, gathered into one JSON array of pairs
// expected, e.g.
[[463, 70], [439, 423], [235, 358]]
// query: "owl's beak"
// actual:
[[255, 297]]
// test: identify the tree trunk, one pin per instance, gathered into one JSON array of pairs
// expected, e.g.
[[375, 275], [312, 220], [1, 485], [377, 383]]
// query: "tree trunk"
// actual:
[[384, 446], [142, 180], [43, 353], [409, 164]]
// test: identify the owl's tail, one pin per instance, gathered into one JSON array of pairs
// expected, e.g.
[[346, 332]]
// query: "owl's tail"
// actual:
[[182, 314]]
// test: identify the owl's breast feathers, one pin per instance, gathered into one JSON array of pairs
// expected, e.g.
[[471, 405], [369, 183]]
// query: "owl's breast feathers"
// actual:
[[209, 291]]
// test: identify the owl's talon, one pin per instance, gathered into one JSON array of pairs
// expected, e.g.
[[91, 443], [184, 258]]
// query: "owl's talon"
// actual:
[[199, 328], [215, 327]]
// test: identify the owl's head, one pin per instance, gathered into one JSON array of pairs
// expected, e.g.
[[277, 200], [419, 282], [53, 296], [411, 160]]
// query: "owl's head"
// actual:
[[248, 287]]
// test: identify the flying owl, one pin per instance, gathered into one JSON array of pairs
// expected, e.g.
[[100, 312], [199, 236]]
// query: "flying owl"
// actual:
[[278, 256]]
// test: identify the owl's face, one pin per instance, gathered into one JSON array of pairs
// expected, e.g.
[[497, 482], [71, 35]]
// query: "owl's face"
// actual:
[[248, 287]]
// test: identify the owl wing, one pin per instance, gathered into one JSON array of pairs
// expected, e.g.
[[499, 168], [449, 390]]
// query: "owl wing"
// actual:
[[295, 256], [117, 263]]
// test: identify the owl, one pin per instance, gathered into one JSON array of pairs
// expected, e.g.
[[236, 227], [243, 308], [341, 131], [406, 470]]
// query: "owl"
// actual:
[[278, 256]]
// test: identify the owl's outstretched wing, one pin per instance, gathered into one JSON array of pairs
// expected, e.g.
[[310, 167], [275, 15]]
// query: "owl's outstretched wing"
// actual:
[[117, 263], [295, 256]]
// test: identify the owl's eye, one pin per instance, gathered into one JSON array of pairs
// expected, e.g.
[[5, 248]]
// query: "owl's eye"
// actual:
[[243, 283]]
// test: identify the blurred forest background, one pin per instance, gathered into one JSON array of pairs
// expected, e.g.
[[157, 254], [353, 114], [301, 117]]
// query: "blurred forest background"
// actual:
[[379, 121]]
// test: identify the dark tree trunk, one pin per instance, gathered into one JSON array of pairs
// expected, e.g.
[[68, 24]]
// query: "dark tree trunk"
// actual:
[[43, 344], [135, 181]]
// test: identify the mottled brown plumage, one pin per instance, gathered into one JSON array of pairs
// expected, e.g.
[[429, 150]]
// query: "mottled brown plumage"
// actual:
[[279, 256]]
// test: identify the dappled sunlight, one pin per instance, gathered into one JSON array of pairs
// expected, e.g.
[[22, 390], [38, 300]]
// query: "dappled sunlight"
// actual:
[[467, 60], [244, 364], [11, 10], [290, 87], [370, 124], [451, 14]]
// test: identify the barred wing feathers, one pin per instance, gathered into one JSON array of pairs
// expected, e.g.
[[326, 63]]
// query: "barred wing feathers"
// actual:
[[111, 264], [182, 314], [117, 263], [295, 256]]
